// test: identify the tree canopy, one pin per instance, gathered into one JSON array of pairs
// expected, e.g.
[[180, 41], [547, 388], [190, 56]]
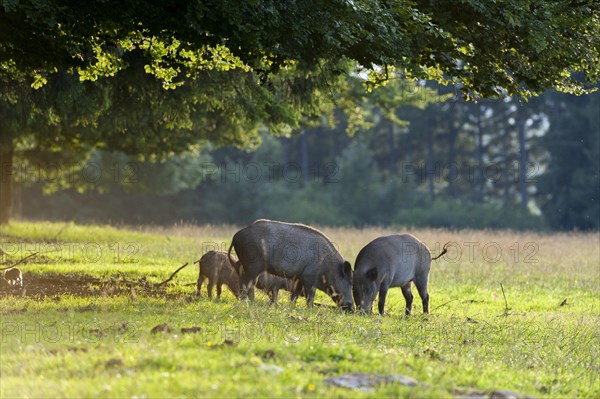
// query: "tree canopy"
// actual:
[[75, 76], [486, 48]]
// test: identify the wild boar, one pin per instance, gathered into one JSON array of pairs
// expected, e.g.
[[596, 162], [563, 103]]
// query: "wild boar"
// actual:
[[392, 261], [219, 269], [293, 251], [271, 284], [14, 277]]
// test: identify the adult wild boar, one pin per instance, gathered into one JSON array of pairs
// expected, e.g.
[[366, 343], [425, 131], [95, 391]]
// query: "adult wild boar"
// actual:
[[392, 261], [219, 269], [293, 251]]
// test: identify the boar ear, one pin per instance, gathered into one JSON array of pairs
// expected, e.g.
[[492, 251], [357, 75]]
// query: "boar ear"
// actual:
[[372, 274], [347, 269]]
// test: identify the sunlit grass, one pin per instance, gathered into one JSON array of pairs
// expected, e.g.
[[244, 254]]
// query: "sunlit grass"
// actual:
[[522, 315]]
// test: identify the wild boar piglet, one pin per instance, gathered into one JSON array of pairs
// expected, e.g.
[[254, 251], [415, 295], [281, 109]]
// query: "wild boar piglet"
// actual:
[[218, 268], [14, 277]]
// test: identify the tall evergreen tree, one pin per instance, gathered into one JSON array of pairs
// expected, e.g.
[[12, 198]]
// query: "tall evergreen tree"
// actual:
[[569, 190]]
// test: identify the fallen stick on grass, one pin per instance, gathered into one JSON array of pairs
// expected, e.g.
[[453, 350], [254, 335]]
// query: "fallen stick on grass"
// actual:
[[170, 277], [20, 261], [443, 304]]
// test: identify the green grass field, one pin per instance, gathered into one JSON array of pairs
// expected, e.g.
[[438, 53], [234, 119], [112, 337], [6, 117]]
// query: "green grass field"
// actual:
[[538, 335]]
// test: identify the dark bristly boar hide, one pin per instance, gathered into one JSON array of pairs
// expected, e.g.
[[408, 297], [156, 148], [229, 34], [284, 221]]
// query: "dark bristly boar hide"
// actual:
[[392, 261], [293, 251]]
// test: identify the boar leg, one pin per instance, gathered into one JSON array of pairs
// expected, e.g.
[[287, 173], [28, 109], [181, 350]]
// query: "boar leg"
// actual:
[[273, 296], [219, 286], [297, 290], [382, 294], [247, 292], [421, 285], [408, 297], [310, 295], [199, 285], [294, 295], [247, 286], [211, 284]]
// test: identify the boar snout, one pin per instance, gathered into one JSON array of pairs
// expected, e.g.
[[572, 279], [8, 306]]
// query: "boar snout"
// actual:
[[363, 306], [364, 309], [343, 301]]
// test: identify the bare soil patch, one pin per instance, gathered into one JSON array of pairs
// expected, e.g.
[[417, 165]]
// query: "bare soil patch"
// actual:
[[81, 285]]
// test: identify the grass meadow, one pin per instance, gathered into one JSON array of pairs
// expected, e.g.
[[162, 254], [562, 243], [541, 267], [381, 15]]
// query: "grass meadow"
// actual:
[[508, 311]]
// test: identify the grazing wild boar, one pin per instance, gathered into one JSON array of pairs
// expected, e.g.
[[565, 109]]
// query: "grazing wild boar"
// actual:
[[219, 269], [271, 284], [392, 261], [294, 251], [14, 277]]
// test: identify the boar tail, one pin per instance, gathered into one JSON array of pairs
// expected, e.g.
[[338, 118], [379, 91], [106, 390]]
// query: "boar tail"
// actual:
[[235, 264], [444, 250]]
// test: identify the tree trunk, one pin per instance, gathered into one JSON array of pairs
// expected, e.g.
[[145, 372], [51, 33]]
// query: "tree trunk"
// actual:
[[430, 168], [478, 170], [523, 159], [452, 166], [17, 200], [408, 156], [6, 177], [285, 153], [304, 155], [392, 155], [506, 165]]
